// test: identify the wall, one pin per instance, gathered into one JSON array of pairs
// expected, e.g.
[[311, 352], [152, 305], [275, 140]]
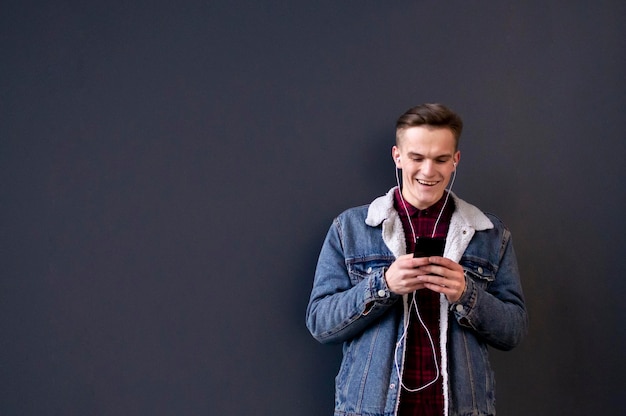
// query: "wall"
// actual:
[[169, 171]]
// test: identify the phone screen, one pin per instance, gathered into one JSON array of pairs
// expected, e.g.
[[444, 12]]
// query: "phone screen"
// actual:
[[426, 247]]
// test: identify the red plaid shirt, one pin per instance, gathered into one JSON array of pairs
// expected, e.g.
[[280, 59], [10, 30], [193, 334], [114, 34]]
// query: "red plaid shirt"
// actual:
[[419, 365]]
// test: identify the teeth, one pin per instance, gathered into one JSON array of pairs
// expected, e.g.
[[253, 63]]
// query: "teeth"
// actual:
[[427, 183]]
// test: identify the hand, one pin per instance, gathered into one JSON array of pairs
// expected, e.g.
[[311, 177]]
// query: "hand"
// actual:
[[403, 275], [443, 275]]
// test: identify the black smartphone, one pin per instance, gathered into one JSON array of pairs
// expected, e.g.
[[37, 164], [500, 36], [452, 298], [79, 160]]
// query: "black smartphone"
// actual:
[[426, 247]]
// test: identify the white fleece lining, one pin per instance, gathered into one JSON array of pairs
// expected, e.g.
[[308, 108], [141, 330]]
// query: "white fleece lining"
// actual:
[[443, 341]]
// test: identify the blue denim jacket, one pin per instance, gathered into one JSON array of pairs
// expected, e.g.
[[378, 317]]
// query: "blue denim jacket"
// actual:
[[351, 304]]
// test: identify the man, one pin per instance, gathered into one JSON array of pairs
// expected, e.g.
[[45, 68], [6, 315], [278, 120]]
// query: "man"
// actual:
[[415, 327]]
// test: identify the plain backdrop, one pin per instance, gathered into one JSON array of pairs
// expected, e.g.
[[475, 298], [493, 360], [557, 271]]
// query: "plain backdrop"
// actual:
[[169, 171]]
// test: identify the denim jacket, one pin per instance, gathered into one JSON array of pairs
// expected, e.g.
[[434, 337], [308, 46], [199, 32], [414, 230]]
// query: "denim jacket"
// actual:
[[351, 304]]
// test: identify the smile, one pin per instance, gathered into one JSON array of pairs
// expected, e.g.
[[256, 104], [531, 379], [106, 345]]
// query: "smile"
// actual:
[[427, 183]]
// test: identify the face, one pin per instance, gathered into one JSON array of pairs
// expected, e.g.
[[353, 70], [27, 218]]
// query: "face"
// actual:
[[426, 156]]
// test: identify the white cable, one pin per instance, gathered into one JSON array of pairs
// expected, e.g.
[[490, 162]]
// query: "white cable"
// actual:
[[444, 203], [404, 205], [432, 346]]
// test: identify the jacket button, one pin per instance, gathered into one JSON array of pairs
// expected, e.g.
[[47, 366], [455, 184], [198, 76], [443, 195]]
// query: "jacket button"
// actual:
[[369, 269], [381, 293], [392, 386], [480, 270], [459, 308]]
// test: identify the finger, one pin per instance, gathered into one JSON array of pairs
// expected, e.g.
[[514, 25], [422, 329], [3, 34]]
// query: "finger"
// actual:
[[437, 271], [450, 273], [410, 286], [433, 279], [408, 262], [439, 289], [419, 262], [444, 262], [440, 281]]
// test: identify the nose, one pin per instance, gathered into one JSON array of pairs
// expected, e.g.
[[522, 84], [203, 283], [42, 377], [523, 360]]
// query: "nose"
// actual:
[[428, 168]]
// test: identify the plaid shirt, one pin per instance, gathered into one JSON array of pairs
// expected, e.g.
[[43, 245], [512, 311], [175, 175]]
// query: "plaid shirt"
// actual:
[[419, 365]]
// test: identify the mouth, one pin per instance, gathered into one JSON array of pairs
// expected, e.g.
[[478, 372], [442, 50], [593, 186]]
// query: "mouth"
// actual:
[[427, 183]]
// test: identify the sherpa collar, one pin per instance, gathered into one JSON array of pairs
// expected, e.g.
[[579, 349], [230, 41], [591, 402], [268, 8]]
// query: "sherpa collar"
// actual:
[[382, 208]]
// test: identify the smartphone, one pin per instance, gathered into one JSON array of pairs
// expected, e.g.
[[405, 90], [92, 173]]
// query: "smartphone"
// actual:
[[426, 247]]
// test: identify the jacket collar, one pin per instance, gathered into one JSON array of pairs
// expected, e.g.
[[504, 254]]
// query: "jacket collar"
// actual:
[[467, 214]]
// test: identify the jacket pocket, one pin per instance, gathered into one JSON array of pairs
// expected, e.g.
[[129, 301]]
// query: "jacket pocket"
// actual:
[[480, 271], [363, 267]]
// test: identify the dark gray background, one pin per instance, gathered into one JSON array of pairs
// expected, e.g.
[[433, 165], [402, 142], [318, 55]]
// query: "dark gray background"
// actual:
[[169, 170]]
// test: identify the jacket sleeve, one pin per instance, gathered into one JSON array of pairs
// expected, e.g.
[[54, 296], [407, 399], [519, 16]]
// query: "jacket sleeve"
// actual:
[[340, 308], [496, 311]]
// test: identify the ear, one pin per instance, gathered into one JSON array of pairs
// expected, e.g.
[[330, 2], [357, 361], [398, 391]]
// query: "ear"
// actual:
[[456, 158], [395, 154]]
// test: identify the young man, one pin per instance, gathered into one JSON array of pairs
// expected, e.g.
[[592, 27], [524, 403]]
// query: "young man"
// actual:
[[415, 325]]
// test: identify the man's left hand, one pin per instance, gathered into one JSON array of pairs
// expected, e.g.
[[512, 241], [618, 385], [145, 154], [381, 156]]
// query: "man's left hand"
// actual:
[[445, 276]]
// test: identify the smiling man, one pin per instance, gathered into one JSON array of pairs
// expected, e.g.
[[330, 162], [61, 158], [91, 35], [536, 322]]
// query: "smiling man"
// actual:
[[417, 285]]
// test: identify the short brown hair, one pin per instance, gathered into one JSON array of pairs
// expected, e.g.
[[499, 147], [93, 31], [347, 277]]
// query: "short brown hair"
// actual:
[[435, 115]]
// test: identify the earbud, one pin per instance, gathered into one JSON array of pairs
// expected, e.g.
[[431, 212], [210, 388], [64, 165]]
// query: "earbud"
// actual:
[[454, 163]]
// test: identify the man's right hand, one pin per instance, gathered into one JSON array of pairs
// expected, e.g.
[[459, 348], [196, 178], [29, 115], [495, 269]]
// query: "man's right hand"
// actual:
[[402, 275]]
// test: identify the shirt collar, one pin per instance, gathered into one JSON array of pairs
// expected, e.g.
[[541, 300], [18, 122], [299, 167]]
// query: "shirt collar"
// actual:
[[432, 211]]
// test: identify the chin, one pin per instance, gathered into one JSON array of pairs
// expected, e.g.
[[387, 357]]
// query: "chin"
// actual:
[[428, 198]]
